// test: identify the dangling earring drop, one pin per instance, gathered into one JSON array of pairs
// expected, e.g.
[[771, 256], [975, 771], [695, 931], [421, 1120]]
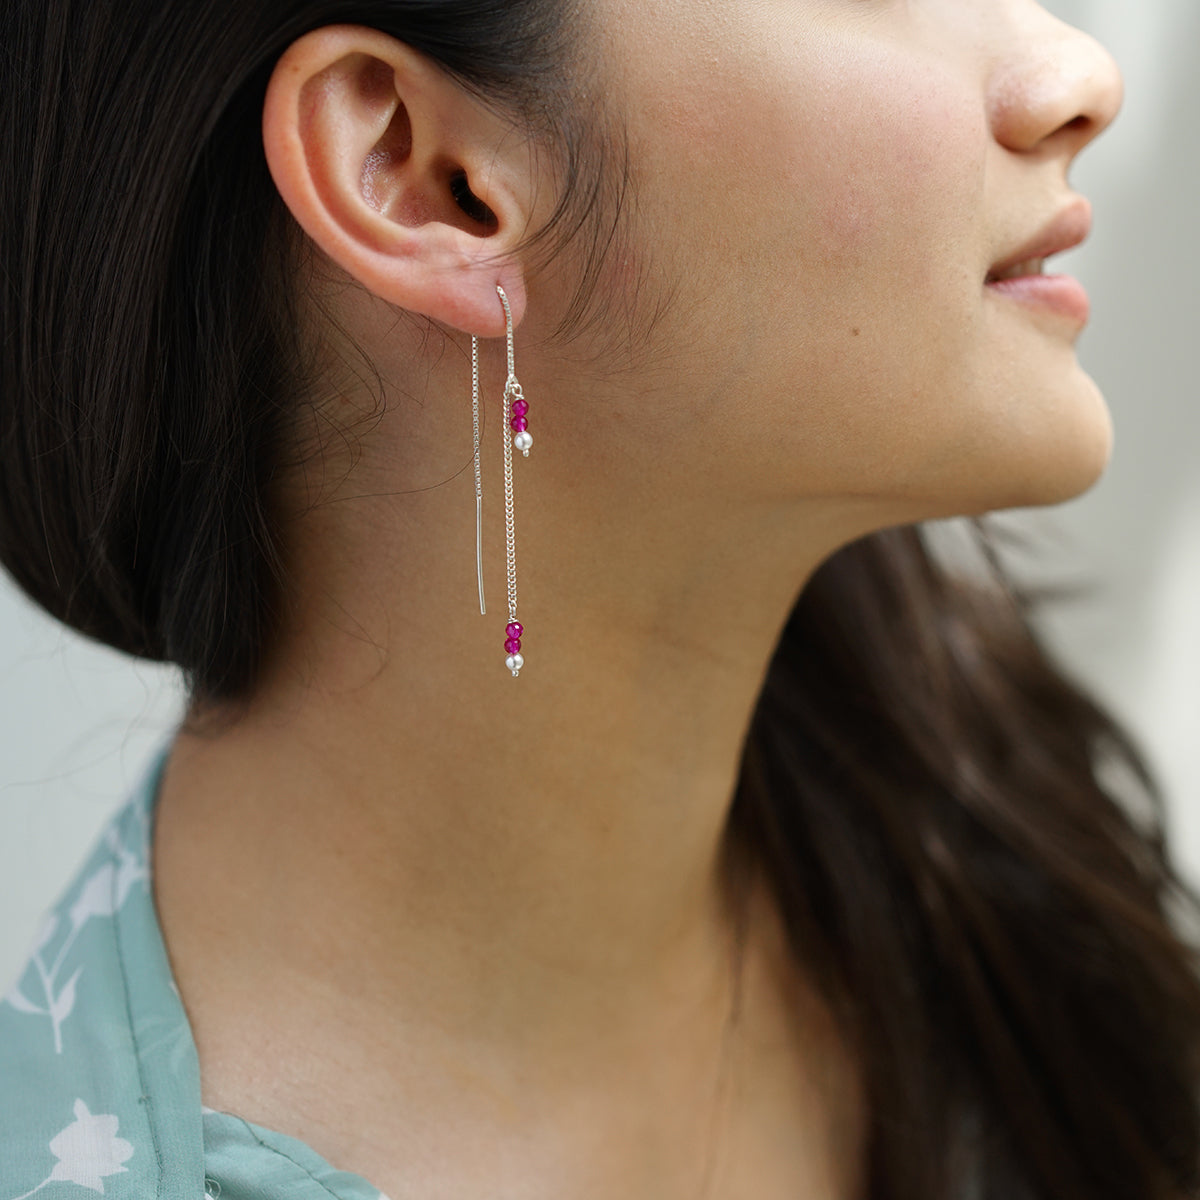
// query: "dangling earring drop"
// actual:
[[522, 438], [515, 408]]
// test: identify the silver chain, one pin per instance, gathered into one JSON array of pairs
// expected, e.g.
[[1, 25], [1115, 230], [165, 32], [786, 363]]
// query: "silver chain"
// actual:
[[512, 390], [478, 478]]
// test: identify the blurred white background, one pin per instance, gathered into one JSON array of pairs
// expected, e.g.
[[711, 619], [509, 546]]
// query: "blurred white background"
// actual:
[[78, 722]]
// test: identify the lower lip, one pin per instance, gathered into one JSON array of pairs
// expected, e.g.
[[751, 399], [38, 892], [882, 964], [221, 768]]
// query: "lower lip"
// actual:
[[1062, 294]]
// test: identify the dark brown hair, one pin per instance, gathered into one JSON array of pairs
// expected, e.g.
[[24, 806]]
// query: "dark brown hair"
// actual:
[[968, 854]]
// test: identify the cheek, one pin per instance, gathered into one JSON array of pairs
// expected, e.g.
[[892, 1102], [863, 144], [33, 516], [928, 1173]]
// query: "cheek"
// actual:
[[811, 215], [887, 173], [851, 168], [811, 135], [871, 249], [819, 204]]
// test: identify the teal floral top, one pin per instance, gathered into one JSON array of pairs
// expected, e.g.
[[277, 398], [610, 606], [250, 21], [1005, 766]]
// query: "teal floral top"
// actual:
[[99, 1077]]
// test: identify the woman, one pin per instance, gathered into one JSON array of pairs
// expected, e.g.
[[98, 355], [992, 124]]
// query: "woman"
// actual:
[[791, 866]]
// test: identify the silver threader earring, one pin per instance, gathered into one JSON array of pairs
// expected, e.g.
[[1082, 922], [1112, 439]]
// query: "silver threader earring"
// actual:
[[478, 479], [516, 434]]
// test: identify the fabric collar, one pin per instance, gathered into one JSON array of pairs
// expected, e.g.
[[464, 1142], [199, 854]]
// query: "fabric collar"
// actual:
[[99, 1076]]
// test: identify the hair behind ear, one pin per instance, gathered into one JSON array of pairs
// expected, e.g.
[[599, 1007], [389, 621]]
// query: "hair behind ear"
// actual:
[[143, 370], [993, 927]]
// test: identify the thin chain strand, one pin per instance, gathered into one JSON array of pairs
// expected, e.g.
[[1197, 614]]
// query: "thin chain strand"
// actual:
[[478, 477]]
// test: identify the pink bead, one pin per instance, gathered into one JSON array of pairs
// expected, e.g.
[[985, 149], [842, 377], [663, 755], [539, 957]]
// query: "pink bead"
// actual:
[[520, 424], [520, 408], [512, 645], [515, 629]]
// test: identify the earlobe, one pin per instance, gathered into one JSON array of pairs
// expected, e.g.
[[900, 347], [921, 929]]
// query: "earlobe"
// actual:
[[402, 178]]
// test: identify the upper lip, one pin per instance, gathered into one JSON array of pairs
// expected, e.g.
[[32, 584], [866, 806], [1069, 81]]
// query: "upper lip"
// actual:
[[1070, 227]]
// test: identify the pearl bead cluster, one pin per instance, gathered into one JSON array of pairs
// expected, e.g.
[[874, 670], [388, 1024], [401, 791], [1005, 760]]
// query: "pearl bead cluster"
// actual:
[[522, 438], [515, 660]]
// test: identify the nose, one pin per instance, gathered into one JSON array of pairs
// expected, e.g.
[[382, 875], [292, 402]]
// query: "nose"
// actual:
[[1054, 88]]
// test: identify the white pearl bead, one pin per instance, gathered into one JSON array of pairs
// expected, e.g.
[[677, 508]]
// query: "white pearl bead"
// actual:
[[523, 440], [515, 662]]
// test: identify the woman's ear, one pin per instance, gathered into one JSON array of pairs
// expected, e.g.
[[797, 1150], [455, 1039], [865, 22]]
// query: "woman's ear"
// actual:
[[403, 178]]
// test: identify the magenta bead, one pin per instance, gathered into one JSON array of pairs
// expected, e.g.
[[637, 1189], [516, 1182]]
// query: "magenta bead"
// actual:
[[520, 408], [515, 629], [520, 424], [512, 645]]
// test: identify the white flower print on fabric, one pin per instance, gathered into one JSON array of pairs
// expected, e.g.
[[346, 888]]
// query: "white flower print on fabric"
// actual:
[[87, 1150], [101, 895]]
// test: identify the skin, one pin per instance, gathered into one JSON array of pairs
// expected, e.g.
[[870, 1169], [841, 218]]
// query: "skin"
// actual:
[[464, 932]]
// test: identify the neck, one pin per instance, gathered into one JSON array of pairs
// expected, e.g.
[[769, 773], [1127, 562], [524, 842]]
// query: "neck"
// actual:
[[521, 861]]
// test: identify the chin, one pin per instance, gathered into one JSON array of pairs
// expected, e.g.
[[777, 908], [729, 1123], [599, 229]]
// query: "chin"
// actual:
[[1067, 460], [1042, 462], [1079, 455]]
